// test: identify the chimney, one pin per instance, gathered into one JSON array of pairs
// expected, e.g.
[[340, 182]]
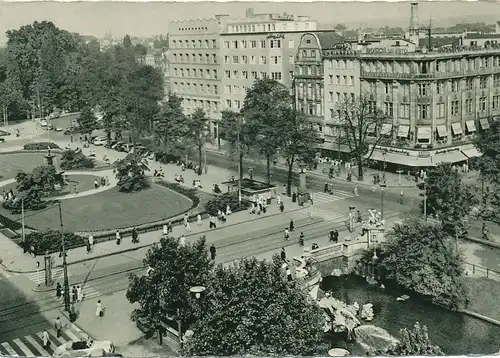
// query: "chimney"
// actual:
[[414, 16]]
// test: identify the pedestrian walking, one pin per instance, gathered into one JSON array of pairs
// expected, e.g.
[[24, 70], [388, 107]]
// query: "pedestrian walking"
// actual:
[[292, 225], [284, 189], [45, 339], [288, 274], [91, 242], [96, 184], [58, 291], [332, 236], [58, 326], [165, 230], [99, 313], [72, 313], [169, 227], [283, 254], [79, 294], [198, 220], [135, 236], [89, 248], [118, 237], [374, 188], [213, 252], [355, 191], [186, 218], [228, 210], [74, 294], [282, 207], [287, 234], [336, 236], [212, 222], [401, 196], [278, 200], [301, 239]]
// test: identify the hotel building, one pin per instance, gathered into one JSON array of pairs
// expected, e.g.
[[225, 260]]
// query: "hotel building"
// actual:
[[435, 99]]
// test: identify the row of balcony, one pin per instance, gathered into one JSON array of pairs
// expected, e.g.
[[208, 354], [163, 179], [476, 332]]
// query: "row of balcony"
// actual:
[[427, 76]]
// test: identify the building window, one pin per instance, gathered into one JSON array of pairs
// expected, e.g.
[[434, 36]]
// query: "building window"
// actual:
[[253, 44], [262, 43], [235, 44], [235, 75], [388, 109], [440, 88], [244, 44], [496, 81], [227, 89], [275, 43], [423, 89], [454, 86], [454, 108], [496, 101], [482, 104], [216, 89], [245, 75], [482, 82], [291, 43], [423, 111], [226, 59], [440, 110], [253, 60], [387, 88], [469, 82], [214, 58], [263, 75], [291, 75], [275, 60], [291, 60], [263, 60], [236, 59], [228, 103], [227, 74], [214, 72], [237, 104], [468, 105], [236, 89], [253, 75], [276, 76]]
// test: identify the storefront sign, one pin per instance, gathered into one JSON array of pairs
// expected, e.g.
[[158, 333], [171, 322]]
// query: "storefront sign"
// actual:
[[387, 51]]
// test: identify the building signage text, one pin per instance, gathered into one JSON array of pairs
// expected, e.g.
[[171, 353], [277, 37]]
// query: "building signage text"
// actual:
[[387, 51]]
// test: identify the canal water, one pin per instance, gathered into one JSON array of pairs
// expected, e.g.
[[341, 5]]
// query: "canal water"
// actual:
[[455, 333]]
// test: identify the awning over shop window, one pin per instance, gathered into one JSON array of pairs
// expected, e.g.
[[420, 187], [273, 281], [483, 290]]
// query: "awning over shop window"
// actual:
[[441, 130], [456, 128], [400, 159], [471, 152], [386, 129], [450, 157], [424, 133], [371, 128], [403, 131], [471, 126], [484, 123]]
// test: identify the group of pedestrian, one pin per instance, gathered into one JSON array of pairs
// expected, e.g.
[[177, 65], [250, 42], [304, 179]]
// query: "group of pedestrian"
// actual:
[[167, 228], [8, 195], [285, 266], [279, 203]]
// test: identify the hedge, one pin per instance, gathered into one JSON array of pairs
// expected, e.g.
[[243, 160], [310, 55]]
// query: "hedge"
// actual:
[[166, 158], [222, 201], [50, 241], [190, 193], [41, 146]]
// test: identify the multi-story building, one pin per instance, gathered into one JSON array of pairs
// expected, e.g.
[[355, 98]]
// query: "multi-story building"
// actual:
[[194, 65], [434, 99], [256, 47]]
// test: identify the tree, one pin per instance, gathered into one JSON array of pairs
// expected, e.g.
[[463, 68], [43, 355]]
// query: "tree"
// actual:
[[87, 121], [487, 143], [298, 141], [130, 173], [358, 117], [249, 308], [238, 134], [75, 160], [198, 133], [448, 198], [170, 126], [340, 27], [266, 100], [422, 257], [413, 342], [164, 293]]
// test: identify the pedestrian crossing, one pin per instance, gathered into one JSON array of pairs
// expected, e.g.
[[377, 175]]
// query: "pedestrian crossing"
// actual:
[[32, 346], [320, 198], [39, 277], [328, 215]]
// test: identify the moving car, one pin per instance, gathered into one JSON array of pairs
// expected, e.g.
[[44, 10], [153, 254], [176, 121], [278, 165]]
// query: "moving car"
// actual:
[[59, 129], [84, 349], [100, 141]]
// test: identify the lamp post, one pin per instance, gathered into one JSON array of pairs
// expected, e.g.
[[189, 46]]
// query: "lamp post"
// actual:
[[383, 166], [399, 175], [65, 264], [425, 200], [205, 160], [23, 232], [196, 291], [382, 189], [239, 164]]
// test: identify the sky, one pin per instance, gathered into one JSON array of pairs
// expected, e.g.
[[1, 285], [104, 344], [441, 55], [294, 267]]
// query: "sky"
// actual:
[[152, 18]]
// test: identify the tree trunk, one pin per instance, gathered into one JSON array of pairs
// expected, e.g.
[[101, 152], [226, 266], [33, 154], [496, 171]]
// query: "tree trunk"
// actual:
[[289, 180], [241, 165], [268, 167], [200, 158], [360, 168]]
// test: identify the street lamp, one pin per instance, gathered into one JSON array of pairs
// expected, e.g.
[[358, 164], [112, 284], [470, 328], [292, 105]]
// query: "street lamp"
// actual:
[[65, 264], [399, 177], [196, 291], [351, 218], [383, 167], [382, 189]]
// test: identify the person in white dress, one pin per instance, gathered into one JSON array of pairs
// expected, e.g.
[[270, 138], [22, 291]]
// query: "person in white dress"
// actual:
[[182, 240], [45, 338], [198, 220], [98, 309], [79, 294], [228, 210], [165, 230]]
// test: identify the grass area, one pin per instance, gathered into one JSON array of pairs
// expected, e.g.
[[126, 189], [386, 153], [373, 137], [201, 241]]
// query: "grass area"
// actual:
[[484, 295], [81, 182], [109, 210], [11, 164]]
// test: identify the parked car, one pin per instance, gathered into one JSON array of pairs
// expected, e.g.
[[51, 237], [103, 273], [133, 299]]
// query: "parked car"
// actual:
[[84, 349], [117, 145], [4, 133], [110, 143], [2, 139], [59, 129], [100, 141], [44, 123]]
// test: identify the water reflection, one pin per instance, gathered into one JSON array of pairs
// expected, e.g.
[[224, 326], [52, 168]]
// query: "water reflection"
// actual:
[[455, 333]]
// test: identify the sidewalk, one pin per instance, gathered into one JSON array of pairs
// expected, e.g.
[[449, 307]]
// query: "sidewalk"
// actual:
[[14, 260]]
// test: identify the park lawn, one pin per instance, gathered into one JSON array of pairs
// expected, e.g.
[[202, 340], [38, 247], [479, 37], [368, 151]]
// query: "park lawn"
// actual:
[[109, 210], [483, 295], [11, 164]]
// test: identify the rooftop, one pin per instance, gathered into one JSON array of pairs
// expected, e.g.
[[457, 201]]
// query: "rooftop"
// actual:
[[329, 40]]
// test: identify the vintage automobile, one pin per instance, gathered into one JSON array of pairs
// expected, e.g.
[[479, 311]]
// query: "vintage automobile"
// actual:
[[84, 349]]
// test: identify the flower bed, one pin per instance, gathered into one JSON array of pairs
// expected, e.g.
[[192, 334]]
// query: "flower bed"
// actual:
[[222, 201], [40, 146], [50, 241]]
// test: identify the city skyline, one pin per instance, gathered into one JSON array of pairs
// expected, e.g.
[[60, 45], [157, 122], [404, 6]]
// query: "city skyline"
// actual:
[[152, 18]]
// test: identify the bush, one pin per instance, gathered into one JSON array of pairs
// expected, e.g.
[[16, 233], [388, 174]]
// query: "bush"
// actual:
[[40, 146], [76, 160], [222, 201], [130, 173], [50, 240], [167, 158]]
